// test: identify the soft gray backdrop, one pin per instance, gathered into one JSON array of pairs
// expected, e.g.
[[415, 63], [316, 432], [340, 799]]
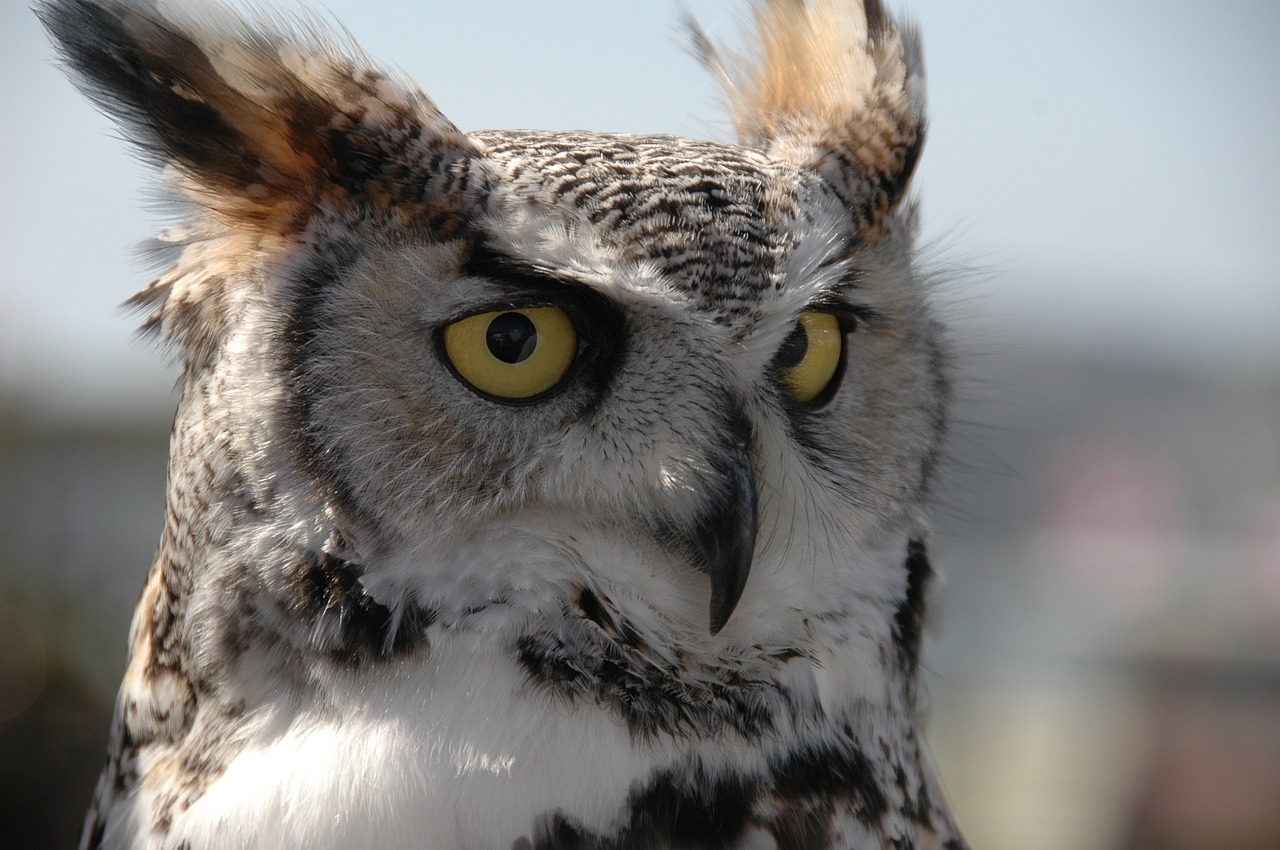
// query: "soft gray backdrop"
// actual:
[[1107, 174]]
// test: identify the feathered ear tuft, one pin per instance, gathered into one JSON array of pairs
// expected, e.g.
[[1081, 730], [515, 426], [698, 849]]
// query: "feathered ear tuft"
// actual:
[[262, 118], [266, 126], [834, 85]]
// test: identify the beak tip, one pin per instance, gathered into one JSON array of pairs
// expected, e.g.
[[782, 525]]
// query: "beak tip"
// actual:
[[718, 620], [727, 587]]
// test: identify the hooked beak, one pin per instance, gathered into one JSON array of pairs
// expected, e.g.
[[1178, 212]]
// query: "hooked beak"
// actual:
[[722, 540]]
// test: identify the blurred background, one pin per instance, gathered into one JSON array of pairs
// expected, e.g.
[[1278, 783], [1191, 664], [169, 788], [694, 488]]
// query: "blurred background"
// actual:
[[1100, 188]]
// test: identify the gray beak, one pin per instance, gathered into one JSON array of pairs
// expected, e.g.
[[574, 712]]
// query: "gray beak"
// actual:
[[722, 540]]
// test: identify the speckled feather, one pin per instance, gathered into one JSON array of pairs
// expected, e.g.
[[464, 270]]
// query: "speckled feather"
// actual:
[[388, 610]]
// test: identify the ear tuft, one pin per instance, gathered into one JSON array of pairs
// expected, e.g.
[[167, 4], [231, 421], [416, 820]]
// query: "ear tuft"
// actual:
[[257, 114], [264, 125], [834, 85]]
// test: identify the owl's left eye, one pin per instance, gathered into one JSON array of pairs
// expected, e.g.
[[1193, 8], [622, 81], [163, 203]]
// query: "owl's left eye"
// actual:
[[810, 356], [512, 355]]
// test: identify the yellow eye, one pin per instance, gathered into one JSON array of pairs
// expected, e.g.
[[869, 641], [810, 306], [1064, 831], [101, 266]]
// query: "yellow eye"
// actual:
[[512, 354], [810, 356]]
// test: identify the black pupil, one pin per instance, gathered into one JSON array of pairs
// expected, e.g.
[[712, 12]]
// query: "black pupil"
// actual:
[[511, 337], [793, 348]]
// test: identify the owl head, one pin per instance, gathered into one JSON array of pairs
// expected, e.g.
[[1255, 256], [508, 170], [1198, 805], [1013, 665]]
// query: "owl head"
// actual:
[[705, 376]]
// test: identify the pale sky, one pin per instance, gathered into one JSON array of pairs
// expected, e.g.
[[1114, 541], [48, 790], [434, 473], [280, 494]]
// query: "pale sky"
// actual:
[[1112, 167]]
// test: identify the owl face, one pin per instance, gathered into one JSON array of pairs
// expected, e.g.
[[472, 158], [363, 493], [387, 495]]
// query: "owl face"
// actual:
[[717, 356], [707, 362]]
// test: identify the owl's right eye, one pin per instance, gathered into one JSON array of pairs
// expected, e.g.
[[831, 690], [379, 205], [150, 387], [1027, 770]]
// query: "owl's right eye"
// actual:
[[512, 355], [809, 359]]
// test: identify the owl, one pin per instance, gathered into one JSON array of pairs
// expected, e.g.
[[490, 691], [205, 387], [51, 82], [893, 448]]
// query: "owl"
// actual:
[[529, 490]]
